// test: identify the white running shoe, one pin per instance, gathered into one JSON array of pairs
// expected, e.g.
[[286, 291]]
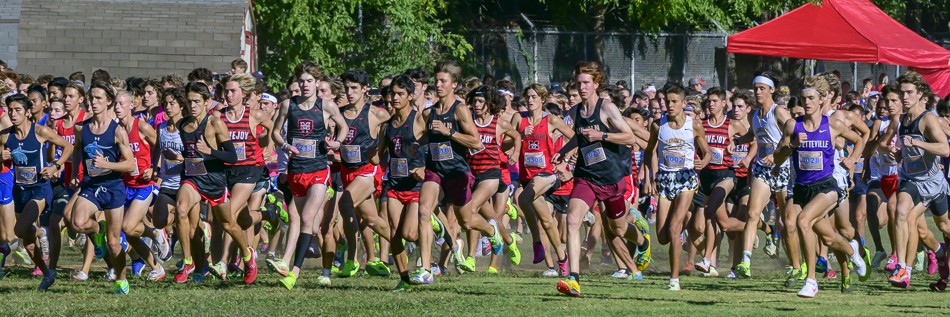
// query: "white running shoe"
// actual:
[[80, 276], [703, 266], [809, 289], [156, 274], [857, 260], [732, 274], [621, 274], [206, 228], [44, 243], [110, 275], [550, 273], [161, 248]]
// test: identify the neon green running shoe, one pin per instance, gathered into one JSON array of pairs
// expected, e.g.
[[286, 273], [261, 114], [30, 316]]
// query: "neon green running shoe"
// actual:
[[512, 212], [867, 263], [469, 264], [793, 276], [643, 258], [846, 283], [219, 270], [323, 280], [492, 270], [402, 287], [513, 253], [330, 193], [804, 271], [744, 270], [348, 269], [640, 222], [288, 281], [121, 288]]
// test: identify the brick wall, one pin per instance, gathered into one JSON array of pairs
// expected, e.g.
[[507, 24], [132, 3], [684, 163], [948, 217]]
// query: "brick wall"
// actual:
[[9, 23], [128, 37]]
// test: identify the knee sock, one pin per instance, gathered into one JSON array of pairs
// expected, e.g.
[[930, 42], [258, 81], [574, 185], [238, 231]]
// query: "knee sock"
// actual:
[[303, 243]]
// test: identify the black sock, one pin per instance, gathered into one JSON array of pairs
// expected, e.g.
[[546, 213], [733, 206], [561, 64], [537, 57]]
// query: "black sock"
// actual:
[[643, 247], [564, 260], [303, 243], [550, 268], [405, 277], [576, 276], [448, 242]]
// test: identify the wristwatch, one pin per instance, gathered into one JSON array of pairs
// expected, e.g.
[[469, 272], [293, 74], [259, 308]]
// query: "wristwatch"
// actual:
[[605, 136]]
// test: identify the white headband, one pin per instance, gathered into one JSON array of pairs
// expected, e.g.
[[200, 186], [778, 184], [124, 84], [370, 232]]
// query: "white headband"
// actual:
[[505, 91], [812, 90], [268, 97], [763, 80], [651, 88]]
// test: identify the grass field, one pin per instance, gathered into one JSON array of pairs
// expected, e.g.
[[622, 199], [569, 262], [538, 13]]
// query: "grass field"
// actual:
[[521, 291]]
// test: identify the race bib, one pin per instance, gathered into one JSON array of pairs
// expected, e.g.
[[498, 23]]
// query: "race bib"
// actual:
[[674, 159], [766, 149], [195, 167], [716, 156], [307, 148], [350, 153], [859, 165], [239, 148], [738, 156], [810, 161], [96, 171], [135, 172], [534, 159], [593, 154], [399, 167], [914, 164], [173, 167], [441, 151], [26, 175]]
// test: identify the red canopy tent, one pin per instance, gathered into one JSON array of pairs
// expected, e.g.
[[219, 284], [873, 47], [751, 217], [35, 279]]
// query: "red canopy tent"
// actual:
[[850, 31]]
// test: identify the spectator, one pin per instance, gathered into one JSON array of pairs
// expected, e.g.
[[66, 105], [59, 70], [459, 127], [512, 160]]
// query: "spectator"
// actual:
[[238, 66]]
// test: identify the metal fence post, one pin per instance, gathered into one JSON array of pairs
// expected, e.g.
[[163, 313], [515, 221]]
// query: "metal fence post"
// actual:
[[633, 63]]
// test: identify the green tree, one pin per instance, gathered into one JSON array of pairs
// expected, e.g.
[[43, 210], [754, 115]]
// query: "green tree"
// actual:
[[379, 36]]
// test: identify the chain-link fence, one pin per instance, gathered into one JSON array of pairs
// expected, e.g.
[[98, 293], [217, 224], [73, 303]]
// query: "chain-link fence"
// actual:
[[544, 56]]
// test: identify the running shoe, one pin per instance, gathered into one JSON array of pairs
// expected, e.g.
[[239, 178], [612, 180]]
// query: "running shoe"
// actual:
[[23, 255], [640, 222], [492, 270], [495, 239], [206, 229], [4, 254], [156, 274], [277, 265], [846, 284], [635, 276], [348, 269], [589, 219], [939, 286], [703, 266], [121, 288], [821, 265], [622, 273], [942, 268], [830, 273], [37, 271], [437, 226], [323, 280], [712, 272], [182, 275], [110, 275], [878, 257], [513, 253], [219, 270], [378, 269], [161, 247], [673, 286], [744, 270], [861, 264], [931, 263], [512, 212], [643, 258], [538, 253], [123, 242], [770, 247], [900, 278], [80, 276], [468, 265], [732, 274], [47, 281], [435, 269], [99, 240], [517, 237], [372, 269], [793, 276], [569, 288], [137, 267], [562, 266], [891, 263], [402, 287], [867, 265], [809, 289], [919, 262], [250, 268], [550, 273], [288, 281], [44, 243], [422, 277]]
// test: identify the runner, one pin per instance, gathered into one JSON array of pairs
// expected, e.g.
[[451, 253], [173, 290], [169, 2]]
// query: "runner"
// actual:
[[599, 133], [64, 198], [881, 177], [140, 189], [103, 149], [766, 129], [170, 150], [816, 189], [922, 185], [22, 145], [308, 117]]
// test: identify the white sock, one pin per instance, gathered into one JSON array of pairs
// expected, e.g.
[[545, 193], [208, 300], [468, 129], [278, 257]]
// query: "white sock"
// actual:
[[811, 280], [747, 257], [903, 265], [674, 280]]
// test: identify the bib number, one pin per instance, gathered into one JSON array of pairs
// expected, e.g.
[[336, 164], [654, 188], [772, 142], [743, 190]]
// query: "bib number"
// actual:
[[534, 159], [716, 156], [173, 168], [810, 161], [674, 159], [239, 148], [351, 153], [593, 154], [766, 149], [195, 167], [399, 167], [26, 175], [306, 148], [441, 151], [738, 156], [94, 172], [914, 164]]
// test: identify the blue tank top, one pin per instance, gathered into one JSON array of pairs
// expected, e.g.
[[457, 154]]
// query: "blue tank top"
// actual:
[[28, 158], [815, 158], [103, 144]]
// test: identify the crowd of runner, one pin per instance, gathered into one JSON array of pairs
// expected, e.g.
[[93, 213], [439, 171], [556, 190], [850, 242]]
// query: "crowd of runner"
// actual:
[[225, 168]]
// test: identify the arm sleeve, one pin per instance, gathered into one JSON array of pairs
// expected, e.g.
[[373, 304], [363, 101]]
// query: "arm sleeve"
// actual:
[[227, 154]]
